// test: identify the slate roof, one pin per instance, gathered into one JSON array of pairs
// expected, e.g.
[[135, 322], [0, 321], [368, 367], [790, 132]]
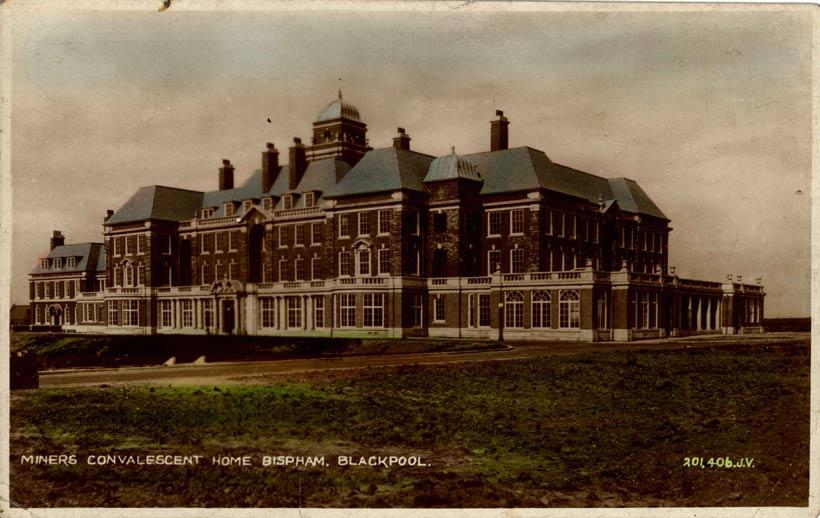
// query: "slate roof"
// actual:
[[158, 202], [384, 169], [88, 257], [390, 169], [525, 168]]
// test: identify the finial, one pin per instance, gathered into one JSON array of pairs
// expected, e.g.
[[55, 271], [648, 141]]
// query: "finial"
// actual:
[[453, 150]]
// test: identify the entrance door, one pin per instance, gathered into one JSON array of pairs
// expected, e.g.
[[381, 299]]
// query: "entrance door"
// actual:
[[56, 316], [227, 316]]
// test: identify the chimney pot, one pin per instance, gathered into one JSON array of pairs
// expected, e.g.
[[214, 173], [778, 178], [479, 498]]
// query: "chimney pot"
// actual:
[[402, 141], [297, 140], [270, 145], [401, 131], [499, 113], [57, 239]]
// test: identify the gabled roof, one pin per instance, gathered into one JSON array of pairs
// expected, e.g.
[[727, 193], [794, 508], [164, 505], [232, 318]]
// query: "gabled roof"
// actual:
[[525, 168], [385, 169], [159, 203], [87, 255]]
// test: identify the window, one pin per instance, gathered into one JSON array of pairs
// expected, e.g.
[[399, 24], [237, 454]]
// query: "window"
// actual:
[[384, 261], [165, 313], [569, 309], [318, 311], [347, 310], [284, 274], [38, 314], [364, 223], [315, 233], [644, 296], [247, 204], [315, 268], [493, 261], [207, 313], [229, 209], [517, 260], [299, 267], [128, 270], [187, 307], [130, 312], [373, 310], [221, 241], [417, 310], [284, 236], [233, 240], [44, 263], [363, 258], [287, 202], [517, 221], [541, 309], [414, 220], [653, 310], [301, 233], [267, 203], [58, 263], [438, 308], [207, 213], [112, 313], [206, 274], [268, 312], [344, 225], [140, 275], [558, 224], [141, 244], [208, 243], [310, 199], [439, 262], [219, 271], [345, 264], [130, 244], [440, 222], [548, 221], [384, 222], [572, 226], [233, 270], [596, 228], [71, 262], [40, 290], [118, 245], [484, 310], [494, 223], [514, 309]]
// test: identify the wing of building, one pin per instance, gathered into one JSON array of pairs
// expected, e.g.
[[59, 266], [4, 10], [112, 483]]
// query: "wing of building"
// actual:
[[336, 238]]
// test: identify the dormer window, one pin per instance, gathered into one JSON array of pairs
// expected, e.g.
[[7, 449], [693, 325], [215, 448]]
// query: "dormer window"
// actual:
[[310, 199], [71, 262], [58, 263], [247, 204], [229, 209], [44, 264], [267, 203], [287, 202], [207, 213]]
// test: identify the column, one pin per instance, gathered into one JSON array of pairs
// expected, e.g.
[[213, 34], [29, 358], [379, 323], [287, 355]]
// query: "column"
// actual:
[[305, 300], [709, 313]]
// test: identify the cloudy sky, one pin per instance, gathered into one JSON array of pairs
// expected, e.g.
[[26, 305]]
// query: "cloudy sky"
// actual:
[[709, 111]]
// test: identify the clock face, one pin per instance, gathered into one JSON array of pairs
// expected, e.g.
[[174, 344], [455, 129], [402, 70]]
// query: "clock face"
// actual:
[[328, 135]]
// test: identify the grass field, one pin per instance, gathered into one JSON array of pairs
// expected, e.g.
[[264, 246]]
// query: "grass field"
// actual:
[[596, 429]]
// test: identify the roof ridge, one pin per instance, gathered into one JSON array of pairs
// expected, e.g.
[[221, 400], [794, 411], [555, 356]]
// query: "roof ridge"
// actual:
[[169, 187]]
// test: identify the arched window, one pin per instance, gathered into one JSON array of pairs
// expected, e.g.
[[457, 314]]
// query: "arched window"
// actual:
[[541, 302], [569, 309], [514, 309]]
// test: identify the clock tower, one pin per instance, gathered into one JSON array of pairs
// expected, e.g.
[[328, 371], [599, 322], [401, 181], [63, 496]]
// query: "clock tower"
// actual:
[[339, 132]]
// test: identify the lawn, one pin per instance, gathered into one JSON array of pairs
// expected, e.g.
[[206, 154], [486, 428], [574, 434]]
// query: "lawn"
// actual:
[[596, 429]]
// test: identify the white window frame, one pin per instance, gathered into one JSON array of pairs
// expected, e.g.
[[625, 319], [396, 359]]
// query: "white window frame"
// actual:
[[319, 311], [384, 264], [362, 262], [299, 269], [514, 310], [207, 213], [513, 253], [540, 309], [315, 268], [267, 314], [229, 209], [569, 309], [513, 213], [373, 307], [490, 254], [347, 310], [165, 319], [439, 309], [310, 199], [383, 216], [315, 232], [363, 217], [490, 216], [344, 223]]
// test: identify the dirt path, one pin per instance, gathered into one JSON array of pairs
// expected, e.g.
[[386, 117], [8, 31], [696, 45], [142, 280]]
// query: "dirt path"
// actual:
[[250, 372]]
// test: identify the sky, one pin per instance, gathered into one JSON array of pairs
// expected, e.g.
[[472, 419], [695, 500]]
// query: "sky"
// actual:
[[710, 112]]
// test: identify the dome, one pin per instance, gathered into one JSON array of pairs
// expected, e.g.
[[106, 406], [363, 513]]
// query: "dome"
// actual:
[[451, 167], [339, 109]]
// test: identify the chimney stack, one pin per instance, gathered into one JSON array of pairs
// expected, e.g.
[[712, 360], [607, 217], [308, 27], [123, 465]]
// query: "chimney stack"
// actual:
[[298, 163], [498, 132], [108, 215], [270, 167], [57, 239], [402, 141], [226, 175]]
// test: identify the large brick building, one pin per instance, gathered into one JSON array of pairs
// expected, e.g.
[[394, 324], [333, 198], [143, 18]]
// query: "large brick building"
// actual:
[[339, 239]]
